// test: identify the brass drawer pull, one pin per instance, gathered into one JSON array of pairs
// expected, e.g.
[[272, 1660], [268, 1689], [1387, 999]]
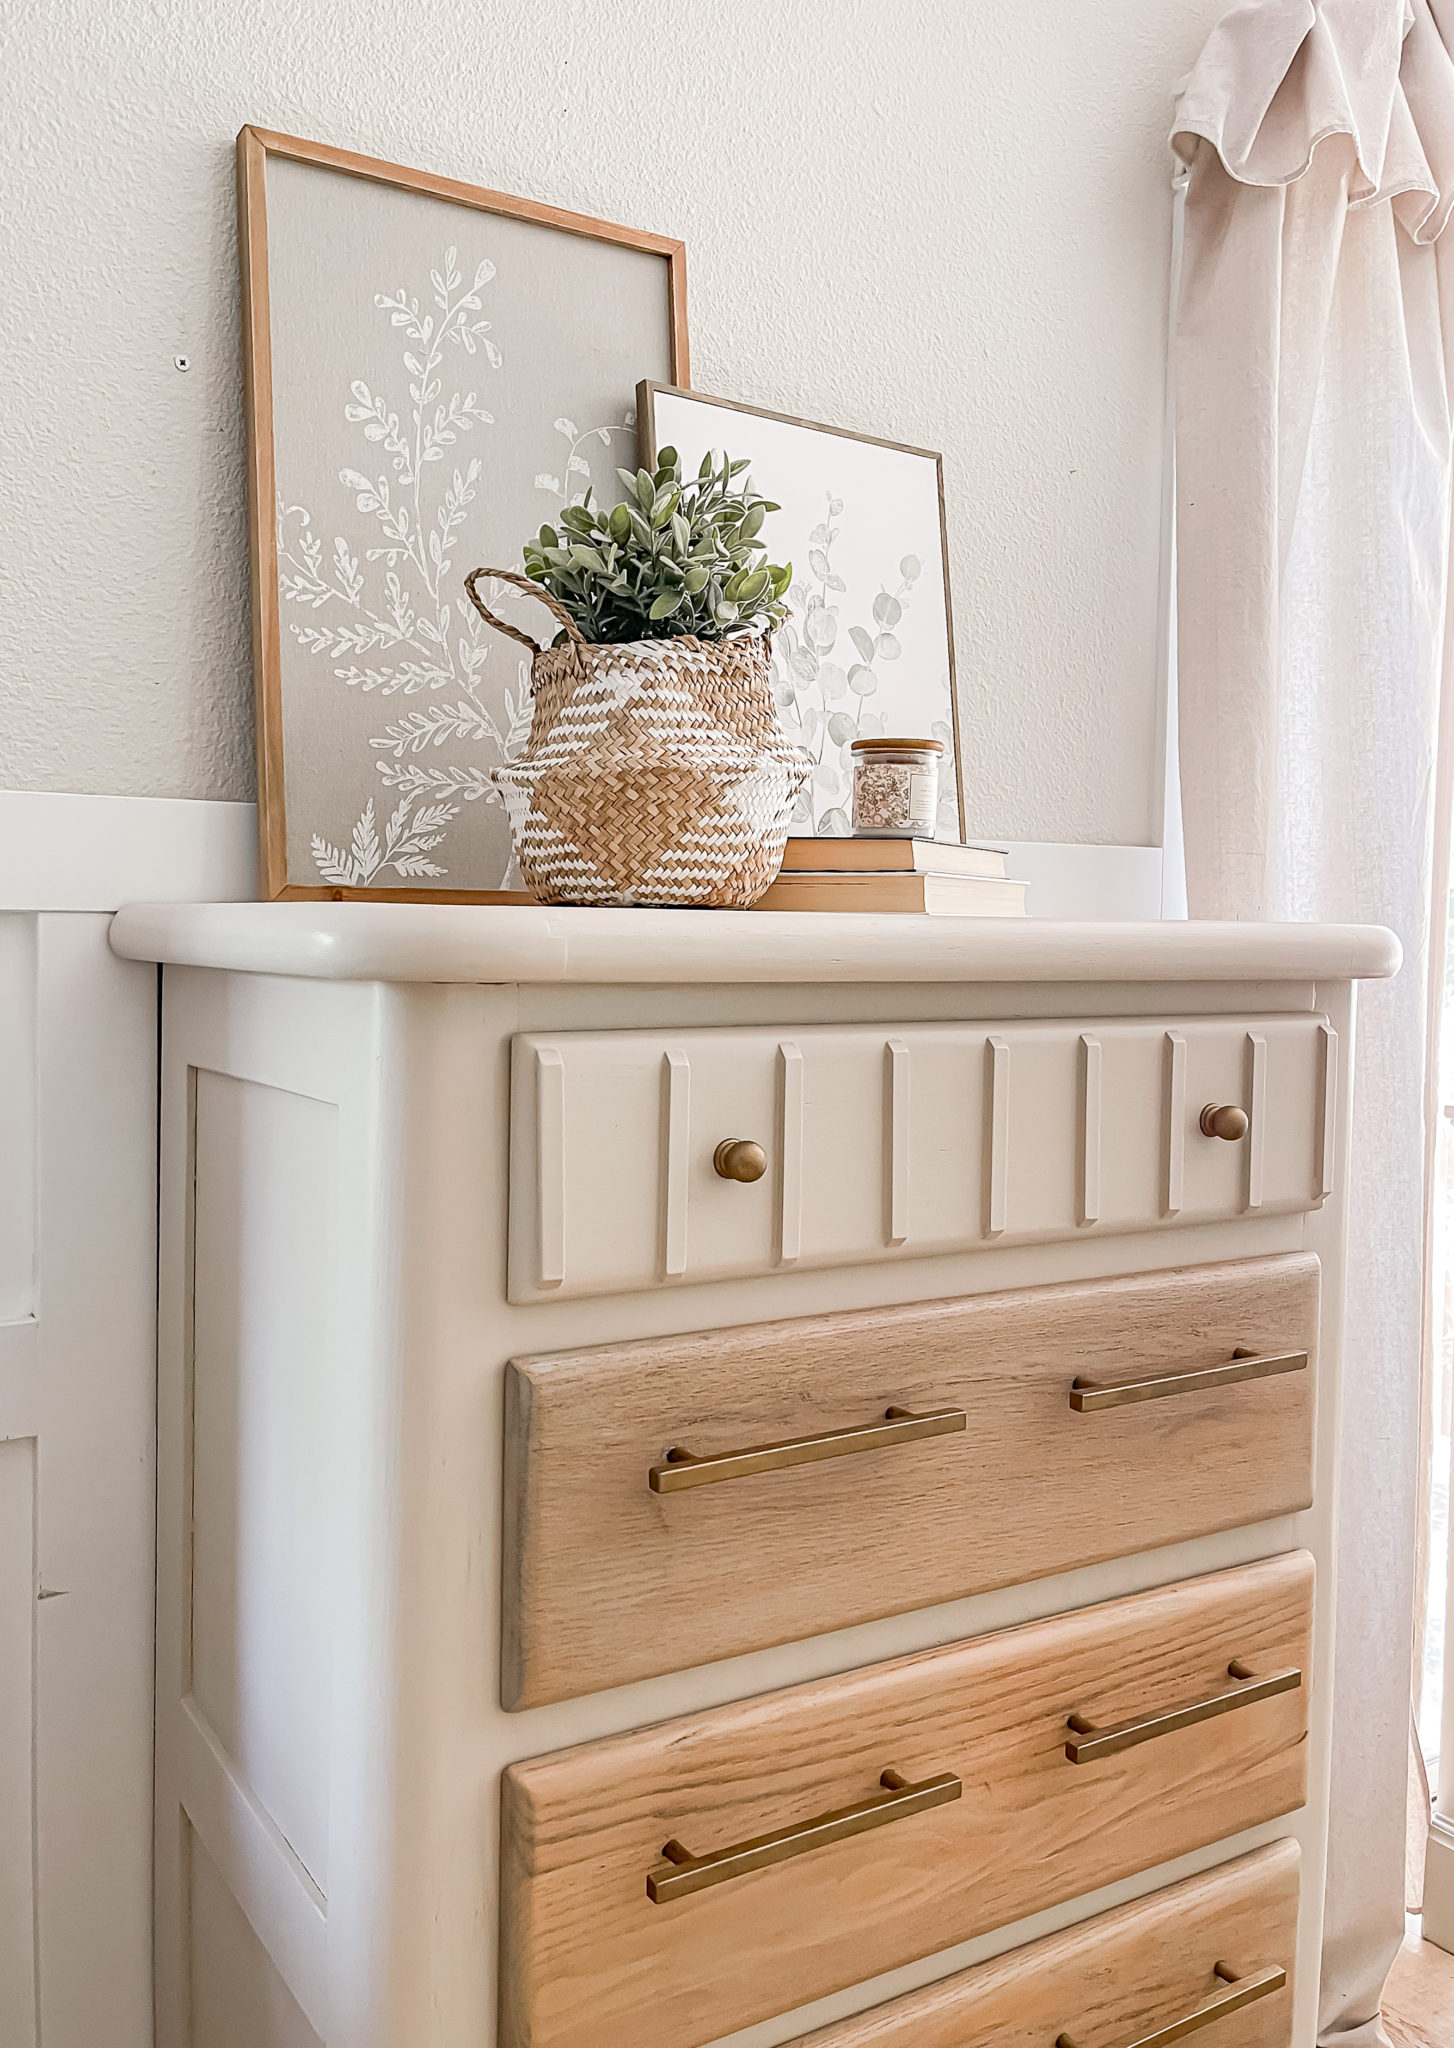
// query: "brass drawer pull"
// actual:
[[899, 1426], [739, 1159], [681, 1872], [1089, 1742], [1087, 1396], [1243, 1991], [1224, 1120]]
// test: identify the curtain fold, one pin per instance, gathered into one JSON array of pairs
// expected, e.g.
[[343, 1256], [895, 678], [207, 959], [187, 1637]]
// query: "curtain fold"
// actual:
[[1314, 345]]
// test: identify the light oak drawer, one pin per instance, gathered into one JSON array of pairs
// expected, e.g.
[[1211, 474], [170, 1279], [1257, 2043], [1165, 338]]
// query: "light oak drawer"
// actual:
[[1000, 1821], [895, 1142], [1122, 1977], [610, 1575]]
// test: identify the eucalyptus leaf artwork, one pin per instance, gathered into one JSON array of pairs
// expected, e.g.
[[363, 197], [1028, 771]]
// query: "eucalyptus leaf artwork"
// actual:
[[433, 369], [867, 647]]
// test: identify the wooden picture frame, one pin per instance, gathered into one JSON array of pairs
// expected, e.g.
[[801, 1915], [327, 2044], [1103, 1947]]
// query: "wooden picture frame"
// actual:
[[257, 150], [772, 472]]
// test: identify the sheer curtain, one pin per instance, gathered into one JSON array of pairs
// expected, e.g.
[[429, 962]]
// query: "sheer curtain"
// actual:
[[1314, 343]]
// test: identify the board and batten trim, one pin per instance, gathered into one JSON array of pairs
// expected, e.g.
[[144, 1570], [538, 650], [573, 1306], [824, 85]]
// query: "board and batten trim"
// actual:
[[790, 1152], [676, 1070]]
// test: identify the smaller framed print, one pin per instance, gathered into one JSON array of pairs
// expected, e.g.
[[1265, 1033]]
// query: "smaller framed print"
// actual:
[[867, 650]]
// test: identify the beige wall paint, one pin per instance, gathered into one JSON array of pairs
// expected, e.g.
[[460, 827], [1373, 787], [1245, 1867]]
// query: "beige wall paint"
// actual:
[[947, 224]]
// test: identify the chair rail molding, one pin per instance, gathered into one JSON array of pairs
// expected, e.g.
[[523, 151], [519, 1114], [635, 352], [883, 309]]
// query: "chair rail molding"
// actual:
[[65, 852]]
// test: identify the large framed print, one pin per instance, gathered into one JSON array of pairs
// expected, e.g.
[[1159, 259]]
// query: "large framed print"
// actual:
[[433, 370], [867, 650]]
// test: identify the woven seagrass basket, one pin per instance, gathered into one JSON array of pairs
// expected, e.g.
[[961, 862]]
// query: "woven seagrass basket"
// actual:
[[656, 771]]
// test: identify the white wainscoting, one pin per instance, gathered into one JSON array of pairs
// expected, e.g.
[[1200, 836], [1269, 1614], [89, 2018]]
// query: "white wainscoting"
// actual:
[[78, 1063]]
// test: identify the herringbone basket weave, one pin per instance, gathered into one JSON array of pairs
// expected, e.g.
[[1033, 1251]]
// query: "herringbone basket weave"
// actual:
[[656, 771]]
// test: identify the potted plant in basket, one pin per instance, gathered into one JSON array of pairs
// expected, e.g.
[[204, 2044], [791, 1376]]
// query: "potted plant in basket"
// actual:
[[656, 770]]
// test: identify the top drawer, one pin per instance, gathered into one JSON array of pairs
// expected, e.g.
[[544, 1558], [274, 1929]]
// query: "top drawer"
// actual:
[[892, 1142]]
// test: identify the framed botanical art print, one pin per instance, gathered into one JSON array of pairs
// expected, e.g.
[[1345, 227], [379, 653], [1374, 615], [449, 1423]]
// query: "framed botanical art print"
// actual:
[[433, 370], [868, 647]]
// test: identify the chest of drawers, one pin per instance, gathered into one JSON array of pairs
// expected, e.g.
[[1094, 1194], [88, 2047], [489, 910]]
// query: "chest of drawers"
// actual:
[[884, 1597]]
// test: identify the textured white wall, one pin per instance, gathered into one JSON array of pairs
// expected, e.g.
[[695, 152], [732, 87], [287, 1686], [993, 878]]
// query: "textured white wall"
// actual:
[[945, 223]]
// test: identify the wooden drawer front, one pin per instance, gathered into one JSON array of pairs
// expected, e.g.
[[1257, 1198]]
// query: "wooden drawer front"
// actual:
[[1123, 1976], [891, 1143], [591, 1961], [608, 1580]]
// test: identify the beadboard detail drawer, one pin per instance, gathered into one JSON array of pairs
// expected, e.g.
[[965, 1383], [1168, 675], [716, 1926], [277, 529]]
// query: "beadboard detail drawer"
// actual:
[[1214, 1951], [882, 1143], [807, 1504], [692, 1878]]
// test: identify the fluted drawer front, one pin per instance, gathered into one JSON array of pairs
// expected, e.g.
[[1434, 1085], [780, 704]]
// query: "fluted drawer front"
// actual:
[[844, 1827], [881, 1142], [1014, 1450], [1200, 1961]]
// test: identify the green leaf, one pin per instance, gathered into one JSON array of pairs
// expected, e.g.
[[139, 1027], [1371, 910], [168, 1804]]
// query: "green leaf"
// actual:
[[696, 580], [664, 505], [665, 605], [752, 523], [667, 459], [645, 486], [549, 538], [619, 522]]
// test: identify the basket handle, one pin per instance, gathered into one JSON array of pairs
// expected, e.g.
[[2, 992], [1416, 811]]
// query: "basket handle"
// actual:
[[535, 590]]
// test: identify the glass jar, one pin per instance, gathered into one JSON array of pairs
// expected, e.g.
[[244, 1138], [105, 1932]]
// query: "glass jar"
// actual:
[[895, 788]]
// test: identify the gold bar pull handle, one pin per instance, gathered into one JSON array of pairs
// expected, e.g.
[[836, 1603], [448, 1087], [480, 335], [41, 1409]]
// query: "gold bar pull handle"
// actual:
[[1088, 1396], [898, 1426], [1087, 1742], [1243, 1990], [680, 1872]]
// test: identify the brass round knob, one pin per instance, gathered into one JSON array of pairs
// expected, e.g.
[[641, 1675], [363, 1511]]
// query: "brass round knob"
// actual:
[[1224, 1121], [740, 1159]]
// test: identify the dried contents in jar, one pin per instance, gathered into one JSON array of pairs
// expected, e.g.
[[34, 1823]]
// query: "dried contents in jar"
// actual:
[[895, 788]]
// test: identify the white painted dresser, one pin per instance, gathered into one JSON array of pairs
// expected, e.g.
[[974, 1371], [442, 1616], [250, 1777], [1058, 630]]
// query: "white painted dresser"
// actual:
[[889, 1593]]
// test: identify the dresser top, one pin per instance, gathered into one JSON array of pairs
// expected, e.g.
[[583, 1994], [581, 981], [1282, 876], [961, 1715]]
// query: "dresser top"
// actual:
[[446, 942]]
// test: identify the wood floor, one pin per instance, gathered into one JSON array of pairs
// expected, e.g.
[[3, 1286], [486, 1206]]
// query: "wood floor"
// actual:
[[1418, 2005]]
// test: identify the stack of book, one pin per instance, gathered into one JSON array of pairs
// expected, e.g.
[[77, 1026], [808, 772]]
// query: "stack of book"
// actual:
[[932, 876]]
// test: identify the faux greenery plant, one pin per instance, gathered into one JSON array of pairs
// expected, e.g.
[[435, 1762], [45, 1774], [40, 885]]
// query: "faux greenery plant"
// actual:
[[671, 558]]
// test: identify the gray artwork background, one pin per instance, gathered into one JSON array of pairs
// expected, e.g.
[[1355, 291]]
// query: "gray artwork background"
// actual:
[[865, 649], [396, 699]]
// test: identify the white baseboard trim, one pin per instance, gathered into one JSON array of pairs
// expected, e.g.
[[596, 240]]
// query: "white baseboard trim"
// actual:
[[1109, 883], [64, 852]]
